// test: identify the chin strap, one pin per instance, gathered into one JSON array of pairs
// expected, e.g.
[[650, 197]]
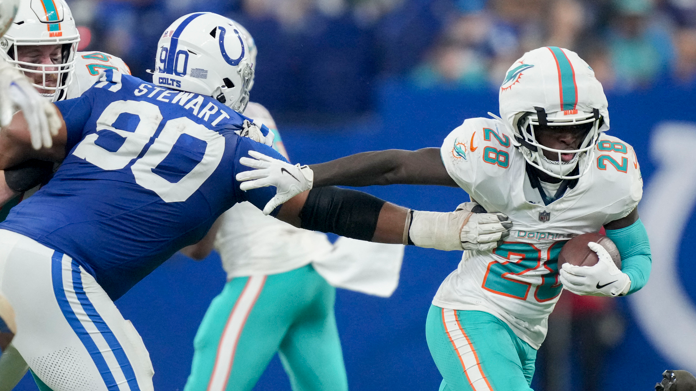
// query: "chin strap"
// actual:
[[541, 116]]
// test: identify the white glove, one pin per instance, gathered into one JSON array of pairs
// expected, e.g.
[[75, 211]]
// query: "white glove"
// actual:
[[254, 132], [483, 231], [289, 180], [17, 93], [469, 227], [602, 279]]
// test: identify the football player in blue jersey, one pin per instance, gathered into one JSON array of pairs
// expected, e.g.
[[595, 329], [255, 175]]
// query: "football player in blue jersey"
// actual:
[[146, 168], [42, 44]]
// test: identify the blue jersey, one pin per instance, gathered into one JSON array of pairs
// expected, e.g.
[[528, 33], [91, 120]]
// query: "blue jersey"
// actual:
[[148, 171]]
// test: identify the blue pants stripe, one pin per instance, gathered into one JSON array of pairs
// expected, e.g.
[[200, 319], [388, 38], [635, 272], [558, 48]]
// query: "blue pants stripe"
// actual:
[[71, 317], [97, 320], [104, 329]]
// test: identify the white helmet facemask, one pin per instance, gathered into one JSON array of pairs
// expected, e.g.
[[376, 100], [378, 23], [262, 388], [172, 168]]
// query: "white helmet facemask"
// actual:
[[41, 23], [205, 53], [552, 88], [533, 151]]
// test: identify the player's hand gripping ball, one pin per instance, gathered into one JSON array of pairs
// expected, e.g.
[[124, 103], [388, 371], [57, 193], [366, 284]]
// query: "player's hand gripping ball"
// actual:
[[576, 252], [590, 264]]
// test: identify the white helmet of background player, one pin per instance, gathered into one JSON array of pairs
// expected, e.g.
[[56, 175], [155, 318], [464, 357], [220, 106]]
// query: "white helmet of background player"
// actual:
[[8, 10], [553, 87], [39, 23], [205, 53]]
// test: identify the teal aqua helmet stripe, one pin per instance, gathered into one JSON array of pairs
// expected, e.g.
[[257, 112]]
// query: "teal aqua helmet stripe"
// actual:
[[566, 78], [51, 15]]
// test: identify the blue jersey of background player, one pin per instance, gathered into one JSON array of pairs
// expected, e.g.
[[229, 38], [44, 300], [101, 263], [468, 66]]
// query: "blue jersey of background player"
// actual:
[[152, 189]]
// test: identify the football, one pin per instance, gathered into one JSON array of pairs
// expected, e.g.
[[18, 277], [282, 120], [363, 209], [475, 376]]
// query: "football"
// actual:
[[576, 252]]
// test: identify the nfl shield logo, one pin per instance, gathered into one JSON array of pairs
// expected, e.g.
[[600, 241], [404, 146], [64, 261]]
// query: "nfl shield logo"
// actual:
[[544, 216]]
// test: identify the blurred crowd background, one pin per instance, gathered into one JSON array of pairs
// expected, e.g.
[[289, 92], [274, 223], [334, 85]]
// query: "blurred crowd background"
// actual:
[[321, 61], [329, 64]]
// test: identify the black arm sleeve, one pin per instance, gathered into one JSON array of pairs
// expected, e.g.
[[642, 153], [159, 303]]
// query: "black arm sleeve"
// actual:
[[344, 212], [29, 174]]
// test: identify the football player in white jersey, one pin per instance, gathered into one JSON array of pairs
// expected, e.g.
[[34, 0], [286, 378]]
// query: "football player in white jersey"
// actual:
[[42, 43], [279, 296], [549, 165], [16, 92]]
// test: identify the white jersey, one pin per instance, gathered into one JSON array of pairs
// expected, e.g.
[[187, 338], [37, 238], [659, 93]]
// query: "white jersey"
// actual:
[[88, 67], [518, 281], [251, 243]]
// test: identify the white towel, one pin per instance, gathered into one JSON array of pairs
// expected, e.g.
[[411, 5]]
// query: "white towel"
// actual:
[[371, 268]]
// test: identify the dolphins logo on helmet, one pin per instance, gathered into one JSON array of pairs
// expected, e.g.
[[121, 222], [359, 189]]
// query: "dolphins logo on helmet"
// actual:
[[513, 76]]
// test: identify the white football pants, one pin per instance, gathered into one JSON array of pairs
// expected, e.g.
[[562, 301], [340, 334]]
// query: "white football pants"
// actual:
[[68, 330]]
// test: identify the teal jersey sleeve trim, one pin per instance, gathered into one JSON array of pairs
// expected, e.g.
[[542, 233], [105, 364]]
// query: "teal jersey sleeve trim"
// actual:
[[634, 247], [276, 135]]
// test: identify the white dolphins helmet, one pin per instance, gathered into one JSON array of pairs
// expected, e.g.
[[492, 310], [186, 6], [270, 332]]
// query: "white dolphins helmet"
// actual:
[[553, 87], [43, 22], [8, 10], [205, 53]]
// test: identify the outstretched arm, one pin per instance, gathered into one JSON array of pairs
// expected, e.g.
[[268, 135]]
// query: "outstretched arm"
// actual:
[[361, 216], [393, 166], [421, 167], [347, 213]]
